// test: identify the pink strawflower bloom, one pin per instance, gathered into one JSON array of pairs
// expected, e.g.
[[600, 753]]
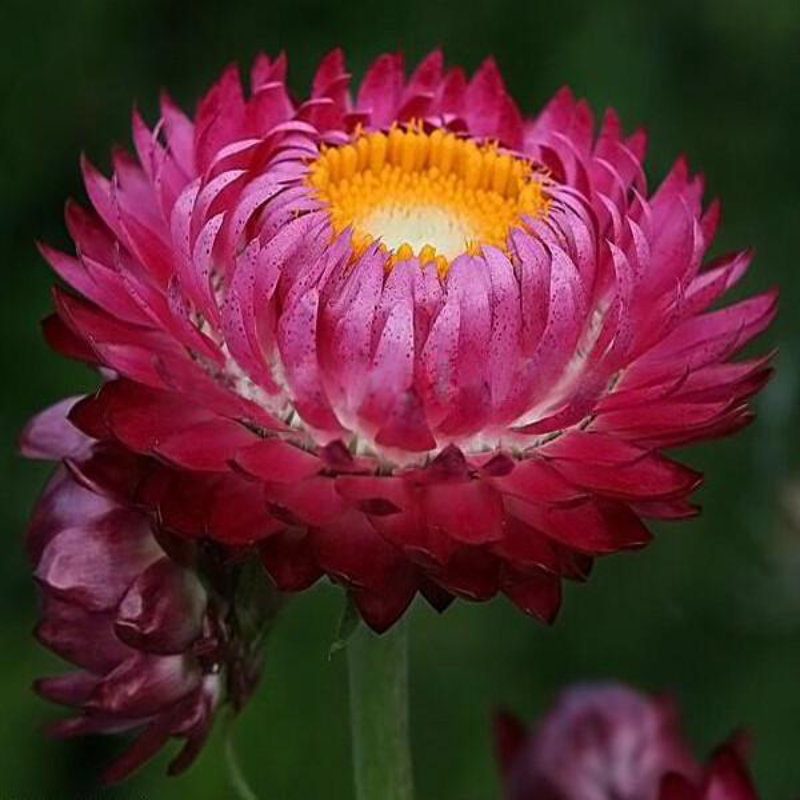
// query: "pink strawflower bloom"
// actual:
[[404, 337], [158, 650], [609, 742]]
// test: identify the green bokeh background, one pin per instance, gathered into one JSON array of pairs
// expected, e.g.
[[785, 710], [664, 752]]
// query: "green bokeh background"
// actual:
[[710, 612]]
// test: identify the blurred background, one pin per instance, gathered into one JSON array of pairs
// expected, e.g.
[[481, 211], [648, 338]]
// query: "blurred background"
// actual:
[[710, 612]]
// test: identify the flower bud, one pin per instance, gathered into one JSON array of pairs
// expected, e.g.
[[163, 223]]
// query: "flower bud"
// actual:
[[150, 624]]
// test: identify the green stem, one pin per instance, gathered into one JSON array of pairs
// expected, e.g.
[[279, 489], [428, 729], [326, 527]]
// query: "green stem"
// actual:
[[378, 668], [238, 781]]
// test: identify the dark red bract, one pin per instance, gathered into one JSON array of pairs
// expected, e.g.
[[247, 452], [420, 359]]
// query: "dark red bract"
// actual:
[[726, 777]]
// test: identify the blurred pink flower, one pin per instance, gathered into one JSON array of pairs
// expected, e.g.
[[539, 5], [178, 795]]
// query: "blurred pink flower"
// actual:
[[609, 742]]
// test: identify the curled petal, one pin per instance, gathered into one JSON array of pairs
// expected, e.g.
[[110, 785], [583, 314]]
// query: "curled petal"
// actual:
[[163, 609]]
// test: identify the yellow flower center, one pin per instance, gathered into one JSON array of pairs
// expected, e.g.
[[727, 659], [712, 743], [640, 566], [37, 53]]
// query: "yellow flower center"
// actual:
[[431, 195]]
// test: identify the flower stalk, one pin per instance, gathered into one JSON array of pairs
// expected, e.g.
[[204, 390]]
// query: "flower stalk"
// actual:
[[236, 777], [378, 670]]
